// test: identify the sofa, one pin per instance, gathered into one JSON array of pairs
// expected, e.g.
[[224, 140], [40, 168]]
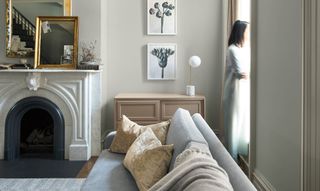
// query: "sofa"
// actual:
[[108, 173]]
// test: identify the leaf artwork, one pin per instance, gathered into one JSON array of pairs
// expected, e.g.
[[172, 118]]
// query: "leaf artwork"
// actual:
[[162, 54], [160, 12]]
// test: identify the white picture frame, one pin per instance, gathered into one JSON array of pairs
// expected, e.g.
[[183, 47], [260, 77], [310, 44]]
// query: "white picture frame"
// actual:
[[164, 22], [165, 69]]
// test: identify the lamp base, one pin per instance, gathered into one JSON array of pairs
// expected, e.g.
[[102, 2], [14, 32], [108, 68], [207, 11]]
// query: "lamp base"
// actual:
[[190, 90]]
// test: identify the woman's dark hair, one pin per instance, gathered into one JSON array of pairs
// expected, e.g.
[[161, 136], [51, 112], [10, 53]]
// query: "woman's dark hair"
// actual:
[[237, 33]]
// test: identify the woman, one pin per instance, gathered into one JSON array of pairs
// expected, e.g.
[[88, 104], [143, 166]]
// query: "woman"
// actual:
[[236, 99]]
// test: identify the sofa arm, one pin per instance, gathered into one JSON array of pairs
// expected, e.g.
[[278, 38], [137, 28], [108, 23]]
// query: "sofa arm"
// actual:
[[108, 139], [237, 178]]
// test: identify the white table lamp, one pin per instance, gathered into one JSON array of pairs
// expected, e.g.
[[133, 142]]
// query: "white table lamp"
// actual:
[[194, 62]]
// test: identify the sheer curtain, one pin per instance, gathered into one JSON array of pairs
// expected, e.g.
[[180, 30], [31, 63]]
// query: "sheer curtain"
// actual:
[[230, 8], [233, 9]]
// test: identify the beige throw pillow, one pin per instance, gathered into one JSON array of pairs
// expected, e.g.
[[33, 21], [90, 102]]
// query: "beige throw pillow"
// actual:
[[128, 131], [147, 160]]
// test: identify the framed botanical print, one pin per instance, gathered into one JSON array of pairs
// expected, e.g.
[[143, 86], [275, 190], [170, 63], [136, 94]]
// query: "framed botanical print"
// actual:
[[162, 17], [162, 61]]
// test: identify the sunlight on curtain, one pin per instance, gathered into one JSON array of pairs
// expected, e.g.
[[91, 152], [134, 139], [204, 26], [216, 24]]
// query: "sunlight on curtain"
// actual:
[[244, 10], [243, 13]]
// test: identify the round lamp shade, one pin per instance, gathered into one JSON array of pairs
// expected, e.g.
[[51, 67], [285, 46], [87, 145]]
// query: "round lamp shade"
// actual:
[[194, 61]]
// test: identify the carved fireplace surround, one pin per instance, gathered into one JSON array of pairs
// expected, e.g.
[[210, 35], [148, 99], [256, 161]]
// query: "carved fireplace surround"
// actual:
[[71, 91]]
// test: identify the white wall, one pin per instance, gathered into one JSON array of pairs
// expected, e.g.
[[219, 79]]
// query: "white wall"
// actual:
[[279, 87], [199, 26]]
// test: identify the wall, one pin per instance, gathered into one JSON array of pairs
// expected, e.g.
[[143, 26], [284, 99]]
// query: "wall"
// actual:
[[279, 87], [198, 34], [311, 133]]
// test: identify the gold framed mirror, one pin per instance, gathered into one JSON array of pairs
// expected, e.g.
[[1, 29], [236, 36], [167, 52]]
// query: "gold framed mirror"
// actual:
[[20, 23], [56, 42]]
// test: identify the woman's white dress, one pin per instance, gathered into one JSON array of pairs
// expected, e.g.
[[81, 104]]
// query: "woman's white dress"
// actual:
[[236, 101]]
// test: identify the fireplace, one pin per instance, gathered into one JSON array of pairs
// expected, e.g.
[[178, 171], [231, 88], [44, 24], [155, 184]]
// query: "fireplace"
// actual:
[[36, 134], [34, 128], [63, 100]]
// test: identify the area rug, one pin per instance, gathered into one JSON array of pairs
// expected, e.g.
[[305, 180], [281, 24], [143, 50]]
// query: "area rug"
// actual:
[[41, 184]]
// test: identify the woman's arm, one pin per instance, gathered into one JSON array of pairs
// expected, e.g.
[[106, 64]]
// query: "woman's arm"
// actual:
[[235, 64]]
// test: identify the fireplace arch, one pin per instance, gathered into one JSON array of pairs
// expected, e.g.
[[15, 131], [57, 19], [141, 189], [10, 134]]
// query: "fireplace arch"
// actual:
[[13, 126]]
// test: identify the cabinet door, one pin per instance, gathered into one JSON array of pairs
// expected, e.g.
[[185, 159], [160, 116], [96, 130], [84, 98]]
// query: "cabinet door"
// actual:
[[168, 108], [138, 110]]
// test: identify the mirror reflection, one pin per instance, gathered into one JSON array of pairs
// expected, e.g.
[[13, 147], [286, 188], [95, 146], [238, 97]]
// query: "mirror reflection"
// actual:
[[21, 17], [56, 44]]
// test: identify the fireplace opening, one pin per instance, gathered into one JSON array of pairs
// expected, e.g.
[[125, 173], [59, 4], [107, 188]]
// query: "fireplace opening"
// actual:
[[36, 135], [34, 128]]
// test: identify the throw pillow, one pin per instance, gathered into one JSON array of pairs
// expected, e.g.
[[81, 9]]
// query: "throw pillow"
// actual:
[[128, 131], [147, 160]]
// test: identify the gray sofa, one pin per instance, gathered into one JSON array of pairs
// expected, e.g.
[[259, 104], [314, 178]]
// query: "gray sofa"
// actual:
[[108, 173]]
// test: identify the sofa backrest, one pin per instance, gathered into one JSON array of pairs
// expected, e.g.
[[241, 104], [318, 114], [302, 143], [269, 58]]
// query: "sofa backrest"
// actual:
[[181, 132]]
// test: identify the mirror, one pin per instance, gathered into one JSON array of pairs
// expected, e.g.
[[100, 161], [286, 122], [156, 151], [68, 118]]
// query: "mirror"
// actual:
[[20, 23], [56, 42]]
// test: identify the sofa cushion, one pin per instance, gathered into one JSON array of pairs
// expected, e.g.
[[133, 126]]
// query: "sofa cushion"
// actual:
[[182, 131], [148, 160], [128, 131], [108, 173], [238, 179]]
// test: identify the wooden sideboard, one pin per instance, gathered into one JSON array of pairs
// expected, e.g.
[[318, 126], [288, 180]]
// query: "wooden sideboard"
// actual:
[[149, 108]]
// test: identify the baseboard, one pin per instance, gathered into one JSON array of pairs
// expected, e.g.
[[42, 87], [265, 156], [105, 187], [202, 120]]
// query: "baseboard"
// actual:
[[261, 183]]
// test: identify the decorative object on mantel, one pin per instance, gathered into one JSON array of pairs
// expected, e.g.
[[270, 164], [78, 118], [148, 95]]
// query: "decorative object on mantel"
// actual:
[[162, 61], [88, 57], [15, 66], [194, 62], [162, 17], [33, 81], [21, 66], [56, 42], [20, 29], [5, 66]]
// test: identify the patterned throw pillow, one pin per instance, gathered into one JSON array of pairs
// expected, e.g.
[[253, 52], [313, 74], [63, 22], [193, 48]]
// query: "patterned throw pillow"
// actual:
[[128, 131], [147, 160]]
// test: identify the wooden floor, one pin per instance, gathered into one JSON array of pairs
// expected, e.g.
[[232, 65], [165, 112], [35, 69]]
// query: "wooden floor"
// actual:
[[87, 167]]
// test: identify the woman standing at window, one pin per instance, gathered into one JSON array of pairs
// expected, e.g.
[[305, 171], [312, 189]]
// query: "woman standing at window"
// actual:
[[236, 99]]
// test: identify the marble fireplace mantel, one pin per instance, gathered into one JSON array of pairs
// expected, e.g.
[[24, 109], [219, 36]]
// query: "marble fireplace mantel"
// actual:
[[71, 91]]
